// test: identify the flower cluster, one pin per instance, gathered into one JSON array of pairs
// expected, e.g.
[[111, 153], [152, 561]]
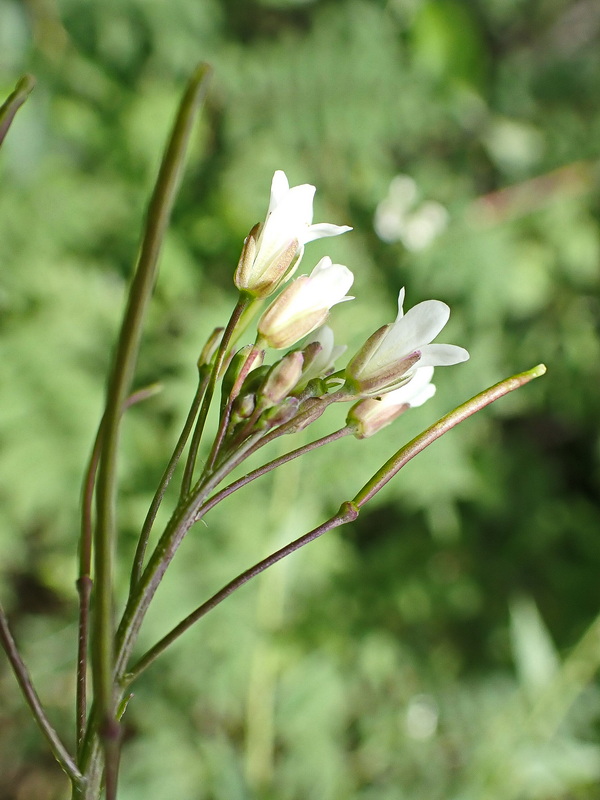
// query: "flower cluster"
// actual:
[[390, 373]]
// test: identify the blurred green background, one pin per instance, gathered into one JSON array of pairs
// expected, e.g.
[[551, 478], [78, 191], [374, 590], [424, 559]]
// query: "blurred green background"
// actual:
[[445, 646]]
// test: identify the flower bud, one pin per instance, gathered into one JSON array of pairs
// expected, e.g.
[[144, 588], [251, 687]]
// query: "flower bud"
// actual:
[[243, 408], [210, 348], [282, 413], [236, 365], [282, 378]]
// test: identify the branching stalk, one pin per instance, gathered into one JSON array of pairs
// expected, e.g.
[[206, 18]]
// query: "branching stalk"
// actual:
[[348, 511], [138, 560]]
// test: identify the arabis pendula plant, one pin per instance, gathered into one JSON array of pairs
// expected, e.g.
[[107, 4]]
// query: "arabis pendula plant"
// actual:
[[273, 250], [372, 414], [389, 357], [258, 403], [304, 304]]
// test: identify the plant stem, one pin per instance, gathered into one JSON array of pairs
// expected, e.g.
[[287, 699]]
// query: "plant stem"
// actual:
[[442, 426], [243, 303], [347, 513], [61, 754], [84, 581], [13, 103], [138, 561], [271, 465], [226, 412], [126, 356]]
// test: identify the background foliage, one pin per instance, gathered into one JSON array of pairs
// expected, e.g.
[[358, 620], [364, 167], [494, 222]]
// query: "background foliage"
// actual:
[[445, 645]]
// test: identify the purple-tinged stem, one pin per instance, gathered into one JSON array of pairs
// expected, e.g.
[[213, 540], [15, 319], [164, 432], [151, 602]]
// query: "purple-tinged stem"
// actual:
[[61, 754]]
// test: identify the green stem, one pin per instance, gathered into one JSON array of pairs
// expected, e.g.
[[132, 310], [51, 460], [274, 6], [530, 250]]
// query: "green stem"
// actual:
[[60, 752], [269, 467], [226, 412], [126, 356], [138, 560], [84, 581], [13, 103], [348, 511], [243, 303], [442, 426]]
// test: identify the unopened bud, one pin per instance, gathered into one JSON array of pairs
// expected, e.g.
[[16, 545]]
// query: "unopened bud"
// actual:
[[210, 348], [283, 413], [372, 414], [236, 365], [282, 378], [243, 408]]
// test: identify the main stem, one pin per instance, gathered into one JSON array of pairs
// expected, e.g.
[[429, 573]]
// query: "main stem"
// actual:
[[159, 212]]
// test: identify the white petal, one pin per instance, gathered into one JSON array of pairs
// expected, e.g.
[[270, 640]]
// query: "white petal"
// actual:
[[423, 396], [416, 328], [298, 203], [324, 263], [279, 188], [321, 230], [442, 355], [401, 294], [413, 388], [328, 283], [324, 336]]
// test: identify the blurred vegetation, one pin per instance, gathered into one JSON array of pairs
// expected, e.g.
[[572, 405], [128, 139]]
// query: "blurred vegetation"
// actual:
[[445, 646]]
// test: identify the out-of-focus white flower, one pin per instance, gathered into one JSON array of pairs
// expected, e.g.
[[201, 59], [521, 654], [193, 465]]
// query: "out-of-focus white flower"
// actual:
[[390, 356], [320, 354], [373, 414], [272, 251], [398, 218], [304, 304]]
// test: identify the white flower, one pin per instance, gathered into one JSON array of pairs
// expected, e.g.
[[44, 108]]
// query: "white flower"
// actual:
[[390, 356], [272, 251], [373, 414], [304, 304]]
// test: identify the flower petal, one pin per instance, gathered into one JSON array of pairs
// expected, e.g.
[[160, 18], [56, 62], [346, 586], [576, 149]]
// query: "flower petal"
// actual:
[[279, 188], [442, 355], [321, 230], [416, 328], [401, 294]]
